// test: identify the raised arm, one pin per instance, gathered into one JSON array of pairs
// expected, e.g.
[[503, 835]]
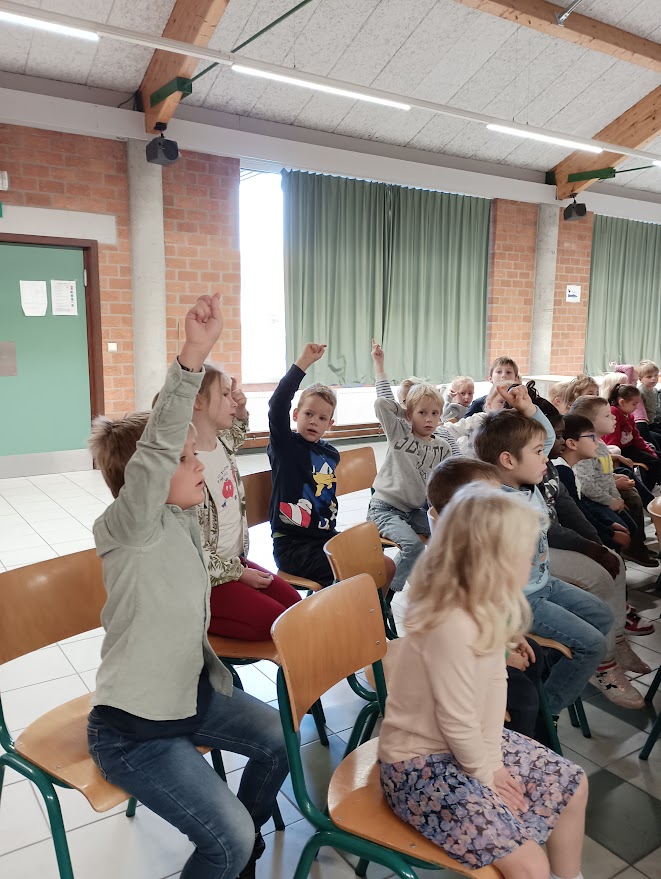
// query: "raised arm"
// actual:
[[135, 515], [281, 399], [381, 382]]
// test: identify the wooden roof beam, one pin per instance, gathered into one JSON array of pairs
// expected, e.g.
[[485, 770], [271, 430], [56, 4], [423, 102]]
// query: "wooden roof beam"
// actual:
[[191, 21], [636, 128], [539, 15]]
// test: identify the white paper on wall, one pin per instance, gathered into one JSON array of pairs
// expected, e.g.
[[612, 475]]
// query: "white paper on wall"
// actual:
[[34, 298], [64, 299]]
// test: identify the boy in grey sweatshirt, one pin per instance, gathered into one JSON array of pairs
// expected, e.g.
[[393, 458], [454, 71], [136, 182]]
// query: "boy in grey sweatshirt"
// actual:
[[415, 446]]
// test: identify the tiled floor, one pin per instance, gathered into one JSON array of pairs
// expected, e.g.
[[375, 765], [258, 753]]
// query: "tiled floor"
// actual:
[[46, 516]]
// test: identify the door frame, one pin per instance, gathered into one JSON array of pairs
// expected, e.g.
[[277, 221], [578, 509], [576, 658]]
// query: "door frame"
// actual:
[[90, 248]]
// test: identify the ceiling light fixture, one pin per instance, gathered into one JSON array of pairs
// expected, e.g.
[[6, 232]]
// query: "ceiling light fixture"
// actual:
[[545, 138], [319, 86], [50, 27]]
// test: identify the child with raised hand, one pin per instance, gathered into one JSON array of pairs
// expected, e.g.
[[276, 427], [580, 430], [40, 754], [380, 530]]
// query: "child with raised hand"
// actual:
[[161, 691], [460, 394], [415, 446], [303, 507], [245, 599], [624, 400], [518, 443], [484, 794]]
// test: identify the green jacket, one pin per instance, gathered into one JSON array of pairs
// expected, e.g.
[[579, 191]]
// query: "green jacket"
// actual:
[[157, 613]]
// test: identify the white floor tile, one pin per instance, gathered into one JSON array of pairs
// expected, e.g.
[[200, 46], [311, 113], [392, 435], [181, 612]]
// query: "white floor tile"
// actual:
[[76, 811], [38, 518], [70, 546], [19, 538], [16, 557], [22, 707], [81, 637], [257, 684], [89, 679], [84, 655], [599, 863], [65, 532], [21, 820], [611, 738], [34, 668]]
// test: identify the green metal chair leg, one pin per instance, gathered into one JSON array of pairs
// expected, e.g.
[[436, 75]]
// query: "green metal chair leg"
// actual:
[[276, 814], [651, 739], [369, 728], [2, 778], [361, 867], [317, 713], [573, 716], [582, 719], [651, 693], [308, 855], [131, 807], [56, 824], [369, 710], [547, 717], [217, 763]]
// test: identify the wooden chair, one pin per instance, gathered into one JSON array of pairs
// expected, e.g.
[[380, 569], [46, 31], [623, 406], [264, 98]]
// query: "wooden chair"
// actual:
[[320, 641], [357, 472]]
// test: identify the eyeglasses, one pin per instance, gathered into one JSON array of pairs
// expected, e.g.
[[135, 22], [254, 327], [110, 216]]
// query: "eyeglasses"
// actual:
[[592, 436]]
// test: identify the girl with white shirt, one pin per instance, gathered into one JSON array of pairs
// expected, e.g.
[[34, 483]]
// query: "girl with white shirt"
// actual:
[[483, 793]]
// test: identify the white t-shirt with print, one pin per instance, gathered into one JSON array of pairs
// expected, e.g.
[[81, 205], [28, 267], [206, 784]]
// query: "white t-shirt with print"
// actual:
[[222, 487]]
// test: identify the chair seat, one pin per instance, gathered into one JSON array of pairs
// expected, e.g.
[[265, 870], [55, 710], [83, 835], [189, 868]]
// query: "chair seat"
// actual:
[[300, 582], [356, 804], [387, 662], [231, 648], [57, 743]]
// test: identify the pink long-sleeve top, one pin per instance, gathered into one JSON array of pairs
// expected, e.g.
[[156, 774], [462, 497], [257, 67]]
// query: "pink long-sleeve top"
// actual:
[[444, 697]]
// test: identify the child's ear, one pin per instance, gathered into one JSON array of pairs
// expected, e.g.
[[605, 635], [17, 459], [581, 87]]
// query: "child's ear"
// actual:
[[331, 423], [507, 461], [571, 444], [198, 403], [294, 414]]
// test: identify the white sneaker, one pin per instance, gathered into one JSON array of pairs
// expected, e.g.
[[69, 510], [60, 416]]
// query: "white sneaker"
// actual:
[[628, 660], [617, 688]]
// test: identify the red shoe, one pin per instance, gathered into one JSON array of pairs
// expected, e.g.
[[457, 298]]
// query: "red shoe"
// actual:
[[637, 625]]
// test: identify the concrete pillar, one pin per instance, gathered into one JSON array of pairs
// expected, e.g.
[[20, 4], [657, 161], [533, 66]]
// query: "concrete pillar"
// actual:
[[543, 301], [147, 273]]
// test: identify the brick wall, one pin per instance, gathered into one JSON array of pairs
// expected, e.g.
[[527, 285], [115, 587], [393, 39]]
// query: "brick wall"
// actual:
[[50, 169], [201, 208], [570, 318], [512, 247]]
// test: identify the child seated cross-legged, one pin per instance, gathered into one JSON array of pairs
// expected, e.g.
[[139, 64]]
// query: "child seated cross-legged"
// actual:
[[484, 794], [518, 443], [245, 599], [161, 691], [415, 446]]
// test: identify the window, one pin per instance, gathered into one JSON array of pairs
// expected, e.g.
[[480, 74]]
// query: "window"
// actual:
[[263, 355]]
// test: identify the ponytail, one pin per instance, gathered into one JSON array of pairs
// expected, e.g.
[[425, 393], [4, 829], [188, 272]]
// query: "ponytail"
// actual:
[[614, 395], [622, 392]]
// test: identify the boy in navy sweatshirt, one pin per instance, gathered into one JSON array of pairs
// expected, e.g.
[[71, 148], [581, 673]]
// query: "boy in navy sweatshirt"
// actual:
[[303, 508]]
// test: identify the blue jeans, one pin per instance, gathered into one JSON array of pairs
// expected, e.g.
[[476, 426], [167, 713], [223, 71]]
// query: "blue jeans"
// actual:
[[404, 529], [174, 780], [580, 621]]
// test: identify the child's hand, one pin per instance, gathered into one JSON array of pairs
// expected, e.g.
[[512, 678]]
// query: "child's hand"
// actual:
[[621, 536], [622, 482], [516, 660], [625, 462], [256, 579], [203, 326], [311, 353], [377, 356], [509, 790], [240, 399], [519, 399], [616, 504]]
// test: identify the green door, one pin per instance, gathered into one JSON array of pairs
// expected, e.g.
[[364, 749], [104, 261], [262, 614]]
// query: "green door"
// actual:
[[45, 406]]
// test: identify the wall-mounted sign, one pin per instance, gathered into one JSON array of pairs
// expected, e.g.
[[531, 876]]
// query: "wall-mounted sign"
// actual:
[[573, 292]]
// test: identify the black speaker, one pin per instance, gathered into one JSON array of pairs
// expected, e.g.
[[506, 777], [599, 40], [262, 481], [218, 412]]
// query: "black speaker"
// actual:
[[575, 211], [161, 151]]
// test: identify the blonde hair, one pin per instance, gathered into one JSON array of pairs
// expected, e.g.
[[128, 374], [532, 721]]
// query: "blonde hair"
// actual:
[[422, 391], [322, 391], [578, 387], [609, 381], [647, 367], [459, 381], [556, 395], [212, 374], [476, 569], [405, 387]]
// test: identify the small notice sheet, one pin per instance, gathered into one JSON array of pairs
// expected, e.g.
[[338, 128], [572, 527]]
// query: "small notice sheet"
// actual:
[[34, 298], [64, 299]]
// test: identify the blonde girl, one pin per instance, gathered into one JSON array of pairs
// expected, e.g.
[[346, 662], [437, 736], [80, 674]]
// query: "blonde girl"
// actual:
[[484, 794], [245, 599], [459, 397]]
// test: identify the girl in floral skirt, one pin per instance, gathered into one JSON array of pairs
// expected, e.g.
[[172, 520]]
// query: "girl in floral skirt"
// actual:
[[483, 793]]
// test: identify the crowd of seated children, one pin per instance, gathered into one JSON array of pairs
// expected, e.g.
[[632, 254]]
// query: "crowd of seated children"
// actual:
[[502, 370], [648, 378], [517, 443], [245, 599], [526, 661], [460, 394], [415, 446], [149, 717], [485, 794], [624, 400]]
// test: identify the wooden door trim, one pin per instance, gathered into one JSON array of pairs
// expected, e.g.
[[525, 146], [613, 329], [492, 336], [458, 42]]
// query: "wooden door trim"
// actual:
[[90, 248]]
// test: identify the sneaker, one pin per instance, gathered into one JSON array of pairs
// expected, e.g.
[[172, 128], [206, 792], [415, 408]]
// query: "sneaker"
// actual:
[[617, 687], [628, 660], [248, 871], [637, 625], [642, 558]]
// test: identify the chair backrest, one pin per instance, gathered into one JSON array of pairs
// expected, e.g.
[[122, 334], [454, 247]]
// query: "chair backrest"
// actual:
[[358, 550], [654, 509], [257, 487], [49, 601], [329, 636], [356, 470]]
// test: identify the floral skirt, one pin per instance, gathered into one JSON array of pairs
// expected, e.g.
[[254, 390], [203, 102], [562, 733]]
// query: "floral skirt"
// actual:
[[468, 819]]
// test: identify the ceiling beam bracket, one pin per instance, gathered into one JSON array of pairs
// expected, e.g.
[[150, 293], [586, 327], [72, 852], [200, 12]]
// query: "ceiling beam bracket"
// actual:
[[179, 84]]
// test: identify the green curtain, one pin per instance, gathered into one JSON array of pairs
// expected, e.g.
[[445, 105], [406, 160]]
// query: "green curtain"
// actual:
[[405, 266], [624, 308]]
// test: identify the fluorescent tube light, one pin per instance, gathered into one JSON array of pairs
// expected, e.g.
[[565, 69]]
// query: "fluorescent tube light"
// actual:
[[319, 87], [545, 138], [63, 30]]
